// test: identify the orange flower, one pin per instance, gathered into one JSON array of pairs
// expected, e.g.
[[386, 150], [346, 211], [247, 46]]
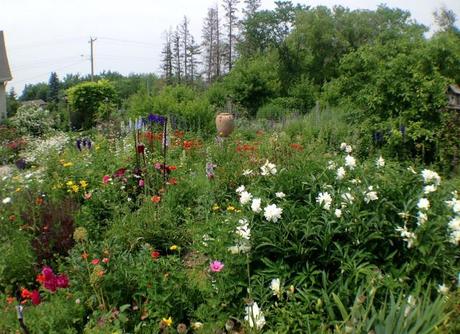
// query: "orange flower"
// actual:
[[296, 147], [12, 218], [156, 199], [40, 278], [39, 201], [172, 167], [10, 300], [172, 181], [84, 255]]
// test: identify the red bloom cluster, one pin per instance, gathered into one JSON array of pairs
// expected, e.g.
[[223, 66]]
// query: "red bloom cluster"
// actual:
[[190, 144], [296, 147], [245, 148], [151, 136], [155, 255], [161, 167], [51, 281], [33, 296]]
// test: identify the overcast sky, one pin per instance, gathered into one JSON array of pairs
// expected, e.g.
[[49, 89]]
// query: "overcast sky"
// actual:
[[52, 35]]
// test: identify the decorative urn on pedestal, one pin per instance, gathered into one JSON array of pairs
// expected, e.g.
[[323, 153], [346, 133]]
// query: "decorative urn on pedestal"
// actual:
[[225, 123]]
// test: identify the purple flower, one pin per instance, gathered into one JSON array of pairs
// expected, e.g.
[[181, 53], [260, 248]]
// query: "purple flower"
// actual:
[[216, 266], [210, 170], [79, 144]]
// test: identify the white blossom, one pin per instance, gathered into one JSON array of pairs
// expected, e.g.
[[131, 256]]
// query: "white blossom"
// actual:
[[245, 197], [255, 206], [350, 162], [6, 200], [422, 218], [380, 162], [240, 189], [331, 165], [340, 173], [243, 229], [423, 204], [430, 176], [247, 172], [275, 286], [429, 189], [324, 199], [272, 213], [343, 146], [338, 213], [348, 198], [268, 168], [243, 247], [443, 289], [254, 316], [280, 194], [370, 196], [407, 236]]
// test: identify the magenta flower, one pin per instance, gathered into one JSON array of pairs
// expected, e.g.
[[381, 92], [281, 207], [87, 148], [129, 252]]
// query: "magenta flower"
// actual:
[[48, 273], [216, 266], [62, 281], [106, 179], [141, 183]]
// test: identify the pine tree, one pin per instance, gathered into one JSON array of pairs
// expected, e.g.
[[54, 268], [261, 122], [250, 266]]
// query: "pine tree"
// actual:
[[251, 7], [185, 41], [209, 36], [193, 53], [167, 60], [230, 7], [177, 56], [54, 85]]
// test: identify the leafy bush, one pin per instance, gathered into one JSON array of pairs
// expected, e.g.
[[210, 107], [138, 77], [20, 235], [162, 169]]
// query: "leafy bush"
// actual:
[[33, 121]]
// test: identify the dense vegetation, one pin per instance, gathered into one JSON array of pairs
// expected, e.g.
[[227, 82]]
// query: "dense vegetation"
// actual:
[[322, 213]]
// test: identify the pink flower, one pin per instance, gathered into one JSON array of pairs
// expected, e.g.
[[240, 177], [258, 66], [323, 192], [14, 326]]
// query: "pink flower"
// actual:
[[51, 284], [105, 260], [216, 266], [48, 273], [141, 183], [95, 261], [106, 179], [62, 281]]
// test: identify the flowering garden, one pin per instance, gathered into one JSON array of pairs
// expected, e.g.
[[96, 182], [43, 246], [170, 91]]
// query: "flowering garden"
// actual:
[[147, 228]]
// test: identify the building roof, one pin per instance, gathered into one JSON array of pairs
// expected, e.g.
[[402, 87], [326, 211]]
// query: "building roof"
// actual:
[[5, 73], [455, 88]]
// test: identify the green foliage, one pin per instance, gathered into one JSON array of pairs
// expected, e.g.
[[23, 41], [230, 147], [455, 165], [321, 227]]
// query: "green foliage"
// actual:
[[87, 99]]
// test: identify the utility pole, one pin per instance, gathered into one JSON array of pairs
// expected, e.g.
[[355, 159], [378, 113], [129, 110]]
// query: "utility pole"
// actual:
[[91, 41]]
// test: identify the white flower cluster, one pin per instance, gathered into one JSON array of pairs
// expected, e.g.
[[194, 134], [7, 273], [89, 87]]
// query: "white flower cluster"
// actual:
[[454, 223], [431, 181], [407, 236], [370, 195], [325, 200], [275, 286], [268, 169], [380, 162], [243, 245], [41, 148], [272, 213], [346, 148]]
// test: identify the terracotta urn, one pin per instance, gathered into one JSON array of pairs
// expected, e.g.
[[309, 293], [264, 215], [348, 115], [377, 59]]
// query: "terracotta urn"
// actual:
[[225, 123]]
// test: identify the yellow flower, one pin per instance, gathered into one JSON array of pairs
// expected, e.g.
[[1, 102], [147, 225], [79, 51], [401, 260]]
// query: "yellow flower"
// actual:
[[230, 208], [75, 188], [68, 164], [215, 207], [167, 322], [97, 147], [18, 190], [83, 184], [173, 247], [69, 183]]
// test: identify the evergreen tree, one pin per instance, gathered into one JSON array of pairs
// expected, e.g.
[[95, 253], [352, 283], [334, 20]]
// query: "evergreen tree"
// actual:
[[54, 85], [167, 58], [251, 7], [177, 56], [193, 53], [185, 41]]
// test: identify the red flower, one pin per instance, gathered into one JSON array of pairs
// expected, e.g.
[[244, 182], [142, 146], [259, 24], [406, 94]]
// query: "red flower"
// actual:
[[35, 297], [155, 255], [10, 300], [155, 199], [47, 273], [120, 172], [25, 294], [172, 167], [105, 260], [106, 179], [296, 147], [51, 284], [95, 261], [40, 278], [172, 181], [140, 148]]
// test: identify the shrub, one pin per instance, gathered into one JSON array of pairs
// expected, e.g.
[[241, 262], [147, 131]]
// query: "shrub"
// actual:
[[31, 120]]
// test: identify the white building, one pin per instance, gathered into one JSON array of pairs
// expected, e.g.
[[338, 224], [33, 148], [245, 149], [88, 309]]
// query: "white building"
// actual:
[[5, 75]]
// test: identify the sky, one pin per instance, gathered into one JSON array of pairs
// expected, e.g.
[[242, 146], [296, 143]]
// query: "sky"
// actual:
[[44, 36]]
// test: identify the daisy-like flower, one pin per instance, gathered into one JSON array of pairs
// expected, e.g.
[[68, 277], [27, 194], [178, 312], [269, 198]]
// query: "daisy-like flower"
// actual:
[[350, 162], [268, 169], [243, 229], [254, 316], [6, 200], [348, 149], [275, 286], [255, 206], [280, 194], [272, 213], [343, 146], [380, 162], [240, 189], [216, 266], [347, 198], [340, 173], [423, 204], [324, 199], [245, 197], [430, 176]]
